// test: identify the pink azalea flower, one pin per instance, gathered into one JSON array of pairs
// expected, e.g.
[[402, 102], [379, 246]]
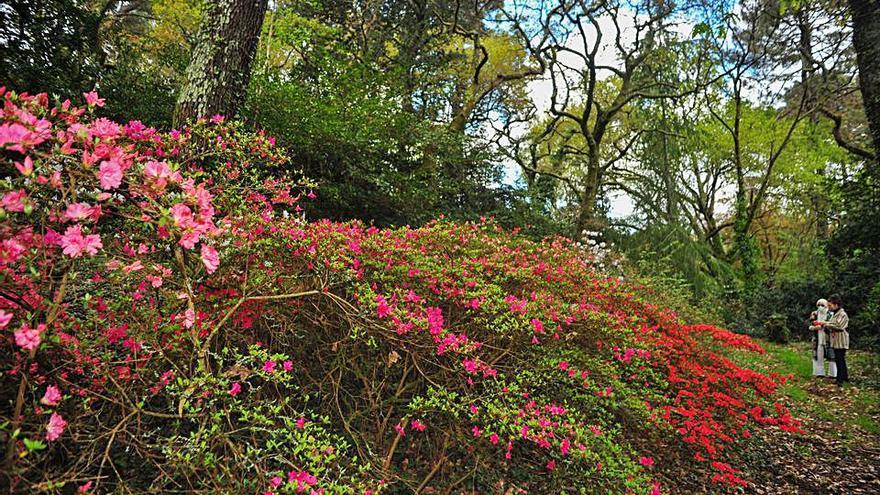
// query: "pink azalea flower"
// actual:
[[269, 366], [288, 365], [210, 258], [93, 100], [417, 425], [276, 481], [189, 239], [189, 318], [4, 318], [235, 390], [646, 461], [55, 427], [182, 214], [382, 307], [13, 201], [551, 465], [26, 168], [537, 325], [29, 338], [110, 174], [13, 133], [301, 423], [493, 438], [400, 429], [655, 488], [52, 396], [566, 445], [476, 431], [85, 487], [78, 211], [74, 244]]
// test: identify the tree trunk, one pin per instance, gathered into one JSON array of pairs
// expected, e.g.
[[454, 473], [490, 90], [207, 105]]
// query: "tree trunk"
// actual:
[[587, 219], [866, 41], [220, 68]]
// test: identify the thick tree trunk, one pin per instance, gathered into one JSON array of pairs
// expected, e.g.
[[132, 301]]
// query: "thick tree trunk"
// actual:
[[219, 70], [587, 219], [866, 41]]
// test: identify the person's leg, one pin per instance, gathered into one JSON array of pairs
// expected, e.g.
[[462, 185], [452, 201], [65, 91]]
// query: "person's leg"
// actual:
[[840, 359], [818, 362], [832, 369]]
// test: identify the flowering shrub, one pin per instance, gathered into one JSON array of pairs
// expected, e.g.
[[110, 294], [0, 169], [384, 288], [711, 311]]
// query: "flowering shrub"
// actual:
[[171, 322]]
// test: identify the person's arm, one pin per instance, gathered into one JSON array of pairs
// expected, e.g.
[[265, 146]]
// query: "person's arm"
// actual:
[[837, 323]]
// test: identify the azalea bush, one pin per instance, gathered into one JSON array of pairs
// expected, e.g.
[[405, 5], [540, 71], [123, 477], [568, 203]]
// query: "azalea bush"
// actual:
[[171, 322]]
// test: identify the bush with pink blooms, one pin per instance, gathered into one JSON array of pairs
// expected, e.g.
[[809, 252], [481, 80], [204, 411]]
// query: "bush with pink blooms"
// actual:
[[172, 323]]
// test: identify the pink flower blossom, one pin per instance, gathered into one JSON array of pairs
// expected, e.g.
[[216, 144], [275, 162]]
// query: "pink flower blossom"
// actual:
[[52, 396], [74, 243], [400, 429], [85, 487], [301, 423], [417, 425], [269, 366], [493, 438], [287, 365], [646, 461], [382, 307], [566, 445], [78, 211], [29, 338], [276, 481], [55, 427], [189, 318], [14, 201], [27, 167], [93, 100], [4, 318], [435, 320], [110, 174], [182, 215], [210, 258], [476, 431], [537, 325], [235, 390]]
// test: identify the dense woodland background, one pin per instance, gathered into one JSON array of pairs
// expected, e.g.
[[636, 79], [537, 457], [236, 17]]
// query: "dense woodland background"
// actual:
[[737, 130]]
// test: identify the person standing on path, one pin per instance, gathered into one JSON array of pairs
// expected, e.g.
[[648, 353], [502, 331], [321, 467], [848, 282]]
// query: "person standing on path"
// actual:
[[836, 327], [821, 343]]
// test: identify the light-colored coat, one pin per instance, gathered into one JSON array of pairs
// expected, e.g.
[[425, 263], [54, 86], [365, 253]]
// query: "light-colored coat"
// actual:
[[836, 326]]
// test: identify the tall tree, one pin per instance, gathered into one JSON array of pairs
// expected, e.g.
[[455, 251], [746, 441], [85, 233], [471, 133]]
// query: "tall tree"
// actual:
[[219, 70], [866, 40]]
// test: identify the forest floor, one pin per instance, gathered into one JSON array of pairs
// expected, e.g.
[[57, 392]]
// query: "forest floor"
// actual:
[[839, 453]]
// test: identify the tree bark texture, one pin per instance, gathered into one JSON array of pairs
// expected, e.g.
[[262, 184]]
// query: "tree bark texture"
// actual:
[[219, 70], [866, 41]]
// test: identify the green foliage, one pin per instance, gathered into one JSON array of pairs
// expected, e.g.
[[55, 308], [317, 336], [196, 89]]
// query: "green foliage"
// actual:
[[50, 46]]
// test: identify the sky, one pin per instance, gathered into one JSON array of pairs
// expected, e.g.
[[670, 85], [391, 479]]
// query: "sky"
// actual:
[[540, 90]]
